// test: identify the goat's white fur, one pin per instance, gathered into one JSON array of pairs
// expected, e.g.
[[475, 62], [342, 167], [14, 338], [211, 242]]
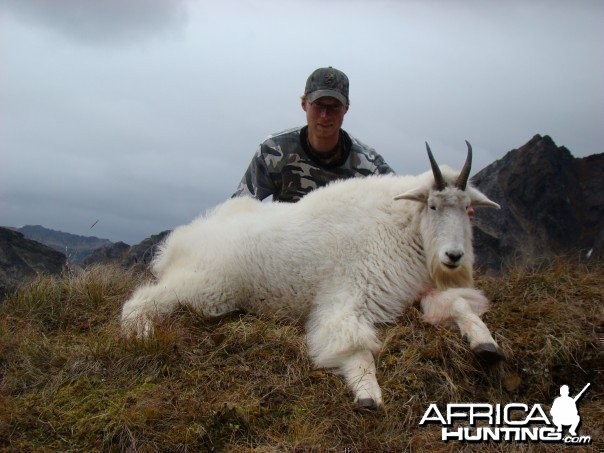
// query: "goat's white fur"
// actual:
[[345, 258]]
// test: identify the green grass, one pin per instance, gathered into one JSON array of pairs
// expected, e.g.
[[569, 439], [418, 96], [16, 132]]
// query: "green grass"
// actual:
[[70, 382]]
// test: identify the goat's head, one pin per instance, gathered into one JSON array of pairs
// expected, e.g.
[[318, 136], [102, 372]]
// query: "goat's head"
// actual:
[[445, 223]]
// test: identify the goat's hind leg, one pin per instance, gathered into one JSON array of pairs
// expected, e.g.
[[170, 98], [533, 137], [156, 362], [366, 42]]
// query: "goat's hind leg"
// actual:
[[153, 302], [464, 306], [148, 304]]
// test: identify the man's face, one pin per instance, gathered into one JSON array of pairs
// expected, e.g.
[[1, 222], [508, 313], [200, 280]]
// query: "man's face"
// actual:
[[324, 117]]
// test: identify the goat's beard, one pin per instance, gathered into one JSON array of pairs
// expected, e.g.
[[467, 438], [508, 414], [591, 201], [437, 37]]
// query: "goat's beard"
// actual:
[[444, 277]]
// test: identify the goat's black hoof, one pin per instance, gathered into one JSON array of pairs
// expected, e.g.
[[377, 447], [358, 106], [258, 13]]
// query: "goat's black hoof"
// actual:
[[367, 403], [488, 353]]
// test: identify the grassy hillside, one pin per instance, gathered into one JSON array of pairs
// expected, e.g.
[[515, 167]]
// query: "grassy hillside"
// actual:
[[68, 381]]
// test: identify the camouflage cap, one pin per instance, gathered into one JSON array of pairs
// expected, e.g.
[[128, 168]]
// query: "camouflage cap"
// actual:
[[327, 82]]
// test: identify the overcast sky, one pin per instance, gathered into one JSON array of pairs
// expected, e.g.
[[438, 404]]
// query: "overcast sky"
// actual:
[[142, 114]]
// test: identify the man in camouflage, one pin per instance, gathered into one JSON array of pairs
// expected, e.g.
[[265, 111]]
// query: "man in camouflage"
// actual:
[[290, 164]]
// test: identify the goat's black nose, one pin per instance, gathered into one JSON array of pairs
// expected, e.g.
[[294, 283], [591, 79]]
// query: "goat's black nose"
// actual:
[[454, 256]]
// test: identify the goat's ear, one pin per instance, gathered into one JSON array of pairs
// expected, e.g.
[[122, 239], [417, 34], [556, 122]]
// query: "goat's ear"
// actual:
[[413, 195], [480, 200]]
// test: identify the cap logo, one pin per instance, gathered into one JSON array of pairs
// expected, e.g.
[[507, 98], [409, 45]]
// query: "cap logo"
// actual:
[[330, 79]]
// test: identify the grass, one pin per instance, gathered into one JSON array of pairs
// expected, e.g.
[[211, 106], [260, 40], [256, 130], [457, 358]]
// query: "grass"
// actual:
[[70, 382]]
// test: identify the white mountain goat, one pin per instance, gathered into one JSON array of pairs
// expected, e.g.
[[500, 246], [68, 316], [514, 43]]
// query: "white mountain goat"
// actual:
[[346, 257]]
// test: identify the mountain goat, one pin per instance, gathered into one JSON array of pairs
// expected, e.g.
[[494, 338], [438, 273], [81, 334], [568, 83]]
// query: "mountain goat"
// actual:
[[346, 257]]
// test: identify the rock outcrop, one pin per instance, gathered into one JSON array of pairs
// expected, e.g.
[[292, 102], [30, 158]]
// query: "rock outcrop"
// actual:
[[139, 255], [551, 203], [22, 258], [112, 253]]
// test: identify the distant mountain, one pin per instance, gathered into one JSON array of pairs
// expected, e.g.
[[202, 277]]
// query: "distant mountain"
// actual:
[[75, 247], [551, 203], [22, 258]]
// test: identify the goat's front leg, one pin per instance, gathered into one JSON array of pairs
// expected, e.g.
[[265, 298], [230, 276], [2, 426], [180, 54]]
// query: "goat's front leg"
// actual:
[[463, 306], [359, 371], [471, 326], [339, 338]]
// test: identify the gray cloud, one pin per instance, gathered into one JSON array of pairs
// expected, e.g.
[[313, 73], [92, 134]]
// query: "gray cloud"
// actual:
[[106, 21]]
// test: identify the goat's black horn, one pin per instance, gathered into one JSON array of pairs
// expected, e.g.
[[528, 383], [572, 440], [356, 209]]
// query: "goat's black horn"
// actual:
[[438, 176], [462, 179]]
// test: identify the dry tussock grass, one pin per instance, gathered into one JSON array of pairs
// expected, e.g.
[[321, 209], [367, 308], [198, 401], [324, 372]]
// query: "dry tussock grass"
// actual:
[[68, 381]]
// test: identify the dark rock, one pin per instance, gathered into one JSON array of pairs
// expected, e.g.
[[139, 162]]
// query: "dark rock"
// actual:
[[142, 254], [551, 203], [591, 173], [139, 255], [22, 258], [115, 252]]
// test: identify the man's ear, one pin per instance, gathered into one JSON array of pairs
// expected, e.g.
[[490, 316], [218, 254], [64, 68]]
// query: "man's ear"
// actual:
[[303, 104], [413, 195]]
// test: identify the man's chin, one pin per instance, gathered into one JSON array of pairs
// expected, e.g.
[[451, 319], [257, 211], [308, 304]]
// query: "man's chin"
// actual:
[[326, 131]]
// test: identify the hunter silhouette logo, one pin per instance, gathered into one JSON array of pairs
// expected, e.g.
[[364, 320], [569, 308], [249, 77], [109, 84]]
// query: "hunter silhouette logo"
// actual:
[[517, 422], [564, 410]]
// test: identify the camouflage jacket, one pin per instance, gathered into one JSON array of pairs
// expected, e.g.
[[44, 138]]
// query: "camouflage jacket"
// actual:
[[284, 168]]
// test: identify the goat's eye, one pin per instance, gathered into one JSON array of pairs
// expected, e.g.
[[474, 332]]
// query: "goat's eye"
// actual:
[[433, 207]]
